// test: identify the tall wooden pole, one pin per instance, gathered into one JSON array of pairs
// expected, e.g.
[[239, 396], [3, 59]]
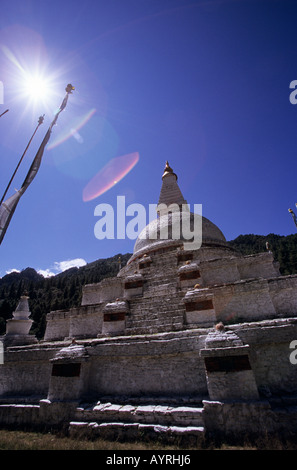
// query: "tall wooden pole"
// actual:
[[40, 121], [4, 112]]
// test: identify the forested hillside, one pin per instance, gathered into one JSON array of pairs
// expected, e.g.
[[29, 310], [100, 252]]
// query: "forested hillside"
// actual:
[[64, 290], [53, 293], [284, 249]]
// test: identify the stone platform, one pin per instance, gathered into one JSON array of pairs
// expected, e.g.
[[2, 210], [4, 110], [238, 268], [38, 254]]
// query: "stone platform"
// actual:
[[197, 340]]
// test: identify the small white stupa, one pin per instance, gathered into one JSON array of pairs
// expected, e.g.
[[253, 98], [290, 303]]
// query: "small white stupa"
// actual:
[[18, 327]]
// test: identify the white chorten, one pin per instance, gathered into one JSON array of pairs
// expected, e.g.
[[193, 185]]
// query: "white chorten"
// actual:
[[20, 323]]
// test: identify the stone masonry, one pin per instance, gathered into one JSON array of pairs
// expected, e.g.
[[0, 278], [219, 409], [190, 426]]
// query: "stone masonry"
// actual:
[[181, 344]]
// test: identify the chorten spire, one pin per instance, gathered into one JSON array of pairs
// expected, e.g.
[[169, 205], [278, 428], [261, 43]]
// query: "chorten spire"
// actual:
[[170, 191], [168, 170]]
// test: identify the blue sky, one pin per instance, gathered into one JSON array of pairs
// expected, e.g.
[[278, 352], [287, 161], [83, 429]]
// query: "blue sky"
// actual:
[[202, 84]]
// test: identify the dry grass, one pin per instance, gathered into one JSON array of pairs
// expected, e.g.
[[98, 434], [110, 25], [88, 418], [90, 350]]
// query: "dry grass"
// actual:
[[28, 440], [23, 440]]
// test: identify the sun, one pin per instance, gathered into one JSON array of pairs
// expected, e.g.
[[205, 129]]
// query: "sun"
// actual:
[[38, 93], [36, 88], [34, 84]]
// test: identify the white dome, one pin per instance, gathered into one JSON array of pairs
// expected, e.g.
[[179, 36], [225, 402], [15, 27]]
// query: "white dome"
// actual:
[[152, 236]]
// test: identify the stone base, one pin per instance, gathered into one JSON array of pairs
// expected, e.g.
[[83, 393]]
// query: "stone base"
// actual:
[[174, 435], [234, 421], [113, 328], [18, 326], [18, 340], [56, 413], [239, 419], [204, 318]]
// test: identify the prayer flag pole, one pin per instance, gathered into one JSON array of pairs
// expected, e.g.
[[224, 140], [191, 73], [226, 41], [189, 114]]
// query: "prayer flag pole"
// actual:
[[4, 112], [40, 121], [293, 215], [8, 206]]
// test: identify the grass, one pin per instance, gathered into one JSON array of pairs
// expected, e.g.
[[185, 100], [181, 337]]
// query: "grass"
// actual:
[[28, 440], [23, 440]]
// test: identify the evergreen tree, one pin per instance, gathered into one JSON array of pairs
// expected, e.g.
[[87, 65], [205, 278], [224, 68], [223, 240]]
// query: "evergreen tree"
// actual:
[[64, 290]]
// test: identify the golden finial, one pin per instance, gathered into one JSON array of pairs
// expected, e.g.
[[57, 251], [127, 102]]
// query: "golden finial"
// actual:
[[168, 170], [69, 88]]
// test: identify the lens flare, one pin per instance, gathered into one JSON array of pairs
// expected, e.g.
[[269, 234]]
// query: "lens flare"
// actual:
[[110, 175], [29, 79], [87, 150], [12, 58], [35, 87], [72, 130]]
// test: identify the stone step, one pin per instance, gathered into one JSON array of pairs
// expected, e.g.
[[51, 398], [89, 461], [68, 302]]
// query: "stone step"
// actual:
[[156, 318], [169, 278], [16, 414], [155, 307], [156, 302], [159, 289], [145, 330], [161, 327], [153, 314], [187, 435], [147, 315], [142, 414], [146, 319], [152, 330]]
